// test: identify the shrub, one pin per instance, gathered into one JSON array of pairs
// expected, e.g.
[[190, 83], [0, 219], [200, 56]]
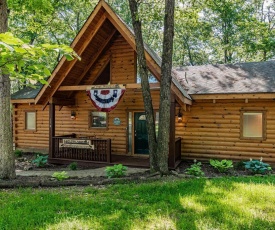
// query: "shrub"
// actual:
[[257, 166], [60, 176], [222, 166], [239, 165], [18, 153], [40, 160], [116, 171], [195, 169], [73, 166]]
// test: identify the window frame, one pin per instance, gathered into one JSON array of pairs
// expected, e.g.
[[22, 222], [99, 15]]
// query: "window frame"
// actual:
[[91, 118], [35, 122], [263, 137]]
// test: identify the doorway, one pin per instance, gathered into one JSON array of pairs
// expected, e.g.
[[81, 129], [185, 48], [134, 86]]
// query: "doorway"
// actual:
[[140, 134]]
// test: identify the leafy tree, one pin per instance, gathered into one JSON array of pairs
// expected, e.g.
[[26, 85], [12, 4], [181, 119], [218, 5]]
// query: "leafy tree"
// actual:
[[53, 22], [260, 43], [191, 35], [7, 166], [16, 55]]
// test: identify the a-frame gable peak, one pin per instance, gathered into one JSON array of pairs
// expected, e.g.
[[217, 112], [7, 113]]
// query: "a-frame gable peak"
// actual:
[[47, 91]]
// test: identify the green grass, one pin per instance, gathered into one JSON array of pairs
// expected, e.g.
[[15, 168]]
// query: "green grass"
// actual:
[[225, 203]]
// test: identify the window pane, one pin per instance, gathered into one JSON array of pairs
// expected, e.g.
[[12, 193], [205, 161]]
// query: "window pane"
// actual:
[[30, 120], [151, 77], [130, 132], [252, 125], [98, 119], [157, 123]]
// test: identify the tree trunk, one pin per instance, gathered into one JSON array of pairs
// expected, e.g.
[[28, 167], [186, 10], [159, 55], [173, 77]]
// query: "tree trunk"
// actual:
[[158, 150], [148, 106], [165, 87], [7, 167]]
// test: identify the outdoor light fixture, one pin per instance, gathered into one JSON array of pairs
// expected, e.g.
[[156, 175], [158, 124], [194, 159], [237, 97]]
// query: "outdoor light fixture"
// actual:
[[179, 116], [73, 115]]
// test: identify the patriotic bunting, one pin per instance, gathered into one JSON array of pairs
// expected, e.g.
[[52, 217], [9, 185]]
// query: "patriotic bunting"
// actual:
[[105, 100]]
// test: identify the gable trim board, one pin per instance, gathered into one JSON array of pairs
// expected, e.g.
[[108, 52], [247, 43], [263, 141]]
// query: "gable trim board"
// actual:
[[152, 59], [210, 98]]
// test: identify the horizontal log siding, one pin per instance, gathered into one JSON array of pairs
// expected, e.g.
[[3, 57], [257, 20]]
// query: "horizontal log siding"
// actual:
[[132, 100], [123, 62], [122, 71], [26, 139], [212, 131]]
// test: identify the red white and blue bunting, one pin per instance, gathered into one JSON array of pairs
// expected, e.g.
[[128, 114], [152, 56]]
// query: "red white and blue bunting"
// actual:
[[105, 100]]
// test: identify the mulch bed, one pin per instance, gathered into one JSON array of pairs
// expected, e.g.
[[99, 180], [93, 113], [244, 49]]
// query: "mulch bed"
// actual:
[[25, 163]]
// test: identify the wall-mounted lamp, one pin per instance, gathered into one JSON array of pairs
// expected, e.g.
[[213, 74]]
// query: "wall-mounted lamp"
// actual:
[[73, 115], [179, 116]]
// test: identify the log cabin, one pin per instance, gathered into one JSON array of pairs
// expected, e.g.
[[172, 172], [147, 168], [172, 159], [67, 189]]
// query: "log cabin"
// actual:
[[92, 110]]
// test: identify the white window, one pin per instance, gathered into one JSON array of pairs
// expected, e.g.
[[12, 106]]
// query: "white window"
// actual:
[[30, 120], [253, 125]]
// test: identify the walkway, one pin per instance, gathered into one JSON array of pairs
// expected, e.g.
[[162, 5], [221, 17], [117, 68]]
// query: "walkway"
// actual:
[[98, 172]]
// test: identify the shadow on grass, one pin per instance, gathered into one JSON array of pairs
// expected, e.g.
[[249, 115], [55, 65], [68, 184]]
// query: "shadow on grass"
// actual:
[[231, 203]]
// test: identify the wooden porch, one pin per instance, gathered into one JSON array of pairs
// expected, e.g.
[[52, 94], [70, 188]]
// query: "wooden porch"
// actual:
[[91, 150], [97, 151]]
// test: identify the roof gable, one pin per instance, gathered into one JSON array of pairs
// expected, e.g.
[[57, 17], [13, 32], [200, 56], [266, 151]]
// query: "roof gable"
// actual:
[[104, 23]]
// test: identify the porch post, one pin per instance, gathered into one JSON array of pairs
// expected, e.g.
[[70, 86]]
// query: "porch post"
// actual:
[[171, 157], [51, 130]]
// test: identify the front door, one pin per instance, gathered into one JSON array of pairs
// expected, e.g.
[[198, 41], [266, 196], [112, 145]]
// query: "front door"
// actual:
[[140, 132]]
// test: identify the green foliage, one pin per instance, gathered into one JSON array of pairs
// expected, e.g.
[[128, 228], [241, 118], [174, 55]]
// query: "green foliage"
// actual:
[[40, 160], [18, 152], [60, 176], [73, 166], [116, 171], [195, 170], [219, 203], [205, 31], [222, 166], [23, 61], [257, 166]]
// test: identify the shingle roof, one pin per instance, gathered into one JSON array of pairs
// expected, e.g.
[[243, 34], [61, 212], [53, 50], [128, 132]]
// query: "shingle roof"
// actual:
[[26, 93], [253, 77]]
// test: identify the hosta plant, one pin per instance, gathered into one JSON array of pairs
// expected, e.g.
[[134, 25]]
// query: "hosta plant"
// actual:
[[195, 169], [222, 166], [257, 166], [60, 176], [116, 171], [40, 160]]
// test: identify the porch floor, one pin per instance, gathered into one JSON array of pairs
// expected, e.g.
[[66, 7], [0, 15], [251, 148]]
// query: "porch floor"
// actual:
[[134, 161], [130, 161]]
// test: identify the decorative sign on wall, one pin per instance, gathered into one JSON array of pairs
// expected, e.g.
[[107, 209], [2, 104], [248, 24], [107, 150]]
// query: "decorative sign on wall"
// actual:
[[117, 121], [76, 143], [105, 100]]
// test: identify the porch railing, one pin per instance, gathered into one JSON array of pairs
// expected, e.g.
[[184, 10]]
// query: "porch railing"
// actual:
[[178, 149], [101, 151]]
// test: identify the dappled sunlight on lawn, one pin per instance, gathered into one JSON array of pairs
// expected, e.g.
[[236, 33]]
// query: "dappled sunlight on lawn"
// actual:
[[256, 200], [206, 224], [155, 222], [224, 203], [231, 205], [191, 203], [73, 223]]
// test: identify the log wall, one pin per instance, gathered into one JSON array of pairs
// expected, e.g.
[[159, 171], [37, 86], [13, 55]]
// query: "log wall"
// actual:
[[212, 131], [122, 71], [131, 101]]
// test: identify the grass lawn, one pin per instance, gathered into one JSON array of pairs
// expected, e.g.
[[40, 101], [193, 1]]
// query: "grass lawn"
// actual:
[[225, 203]]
